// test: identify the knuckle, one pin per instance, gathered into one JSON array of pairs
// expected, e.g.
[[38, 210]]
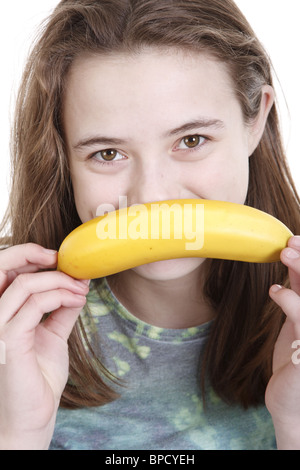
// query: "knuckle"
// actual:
[[31, 251], [3, 277], [22, 281], [44, 302], [29, 247], [63, 294], [34, 302]]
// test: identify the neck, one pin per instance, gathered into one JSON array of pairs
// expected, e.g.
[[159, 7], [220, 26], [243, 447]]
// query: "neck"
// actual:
[[178, 303]]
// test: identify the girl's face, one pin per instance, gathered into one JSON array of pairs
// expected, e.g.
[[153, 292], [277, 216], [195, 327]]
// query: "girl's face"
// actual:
[[155, 126]]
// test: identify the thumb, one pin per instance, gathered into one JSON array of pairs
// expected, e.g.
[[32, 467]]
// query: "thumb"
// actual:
[[291, 258]]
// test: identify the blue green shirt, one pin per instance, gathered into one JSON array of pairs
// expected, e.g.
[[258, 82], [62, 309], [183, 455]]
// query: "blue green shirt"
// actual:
[[161, 406]]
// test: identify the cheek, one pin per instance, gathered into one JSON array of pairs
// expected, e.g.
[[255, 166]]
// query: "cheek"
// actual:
[[237, 180], [233, 185], [224, 179], [84, 201], [92, 191], [85, 196]]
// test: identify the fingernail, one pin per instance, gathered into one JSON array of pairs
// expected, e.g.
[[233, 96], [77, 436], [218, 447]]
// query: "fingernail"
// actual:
[[81, 298], [295, 241], [81, 284], [292, 254], [276, 288], [49, 252]]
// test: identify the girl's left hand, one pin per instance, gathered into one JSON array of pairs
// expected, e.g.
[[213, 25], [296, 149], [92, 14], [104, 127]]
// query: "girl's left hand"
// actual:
[[283, 391]]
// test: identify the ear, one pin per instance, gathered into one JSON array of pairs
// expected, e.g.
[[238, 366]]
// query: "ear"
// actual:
[[257, 127]]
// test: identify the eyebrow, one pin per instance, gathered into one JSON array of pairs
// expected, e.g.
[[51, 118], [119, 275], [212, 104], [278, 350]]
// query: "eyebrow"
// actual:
[[197, 124], [189, 126], [98, 140]]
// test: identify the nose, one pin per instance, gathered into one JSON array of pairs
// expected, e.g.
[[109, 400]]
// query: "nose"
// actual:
[[154, 183]]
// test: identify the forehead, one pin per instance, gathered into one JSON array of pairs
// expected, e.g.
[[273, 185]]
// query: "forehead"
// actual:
[[159, 62], [148, 87]]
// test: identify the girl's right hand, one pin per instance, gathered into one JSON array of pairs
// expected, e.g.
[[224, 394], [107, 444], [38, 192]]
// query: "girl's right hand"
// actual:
[[35, 369]]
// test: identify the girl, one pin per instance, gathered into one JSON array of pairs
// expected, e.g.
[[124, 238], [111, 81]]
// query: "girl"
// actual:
[[148, 100]]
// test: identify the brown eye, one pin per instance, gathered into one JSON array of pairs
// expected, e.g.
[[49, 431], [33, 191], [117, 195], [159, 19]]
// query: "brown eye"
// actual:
[[109, 154], [191, 141]]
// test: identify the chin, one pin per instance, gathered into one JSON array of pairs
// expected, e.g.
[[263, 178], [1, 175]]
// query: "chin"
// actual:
[[169, 269]]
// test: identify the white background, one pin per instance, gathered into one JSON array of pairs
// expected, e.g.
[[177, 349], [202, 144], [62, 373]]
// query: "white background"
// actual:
[[275, 22]]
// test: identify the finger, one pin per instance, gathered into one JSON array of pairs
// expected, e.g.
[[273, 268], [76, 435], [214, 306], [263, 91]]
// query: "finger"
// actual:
[[291, 258], [28, 257], [18, 256], [62, 321], [289, 302], [294, 273], [294, 242], [7, 278], [25, 285], [31, 313]]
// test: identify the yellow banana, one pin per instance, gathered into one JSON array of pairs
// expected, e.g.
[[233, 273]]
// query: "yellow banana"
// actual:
[[184, 228]]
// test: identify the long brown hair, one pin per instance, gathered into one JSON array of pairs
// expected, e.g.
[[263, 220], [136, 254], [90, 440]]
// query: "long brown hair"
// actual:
[[238, 357]]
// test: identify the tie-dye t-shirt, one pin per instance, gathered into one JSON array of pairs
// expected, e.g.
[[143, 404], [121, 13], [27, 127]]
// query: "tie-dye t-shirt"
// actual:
[[160, 407]]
